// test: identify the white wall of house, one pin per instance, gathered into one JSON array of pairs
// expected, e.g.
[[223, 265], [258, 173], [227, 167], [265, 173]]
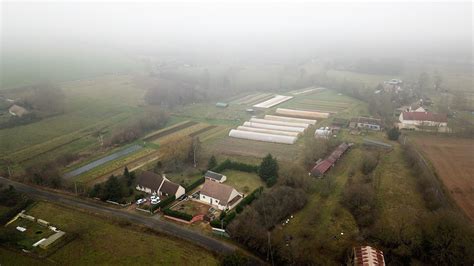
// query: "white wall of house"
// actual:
[[212, 201], [413, 124], [180, 192]]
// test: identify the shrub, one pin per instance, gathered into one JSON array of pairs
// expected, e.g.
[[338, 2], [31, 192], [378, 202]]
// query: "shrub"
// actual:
[[177, 214], [228, 164], [369, 163], [247, 200], [195, 184], [393, 133]]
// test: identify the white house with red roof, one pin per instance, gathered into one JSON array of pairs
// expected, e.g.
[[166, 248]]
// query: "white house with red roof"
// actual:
[[423, 121]]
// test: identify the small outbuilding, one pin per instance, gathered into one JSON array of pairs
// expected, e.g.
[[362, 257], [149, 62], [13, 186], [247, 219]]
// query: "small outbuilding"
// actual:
[[213, 176], [366, 122]]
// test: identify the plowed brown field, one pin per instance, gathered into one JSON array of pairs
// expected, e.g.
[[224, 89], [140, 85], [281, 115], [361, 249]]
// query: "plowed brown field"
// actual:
[[453, 160]]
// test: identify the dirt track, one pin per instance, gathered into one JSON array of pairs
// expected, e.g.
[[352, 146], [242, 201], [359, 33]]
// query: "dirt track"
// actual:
[[453, 160]]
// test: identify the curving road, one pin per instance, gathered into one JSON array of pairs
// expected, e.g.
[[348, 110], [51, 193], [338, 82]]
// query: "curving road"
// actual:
[[151, 222]]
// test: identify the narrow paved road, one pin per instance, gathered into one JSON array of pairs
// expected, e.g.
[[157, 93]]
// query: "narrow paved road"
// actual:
[[151, 222]]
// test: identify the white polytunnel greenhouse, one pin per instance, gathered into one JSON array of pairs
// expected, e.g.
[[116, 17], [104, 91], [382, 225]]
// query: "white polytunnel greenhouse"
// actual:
[[290, 119], [274, 127], [262, 137], [268, 131], [308, 114], [273, 101], [279, 123]]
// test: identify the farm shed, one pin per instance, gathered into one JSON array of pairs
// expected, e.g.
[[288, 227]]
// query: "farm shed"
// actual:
[[215, 176], [367, 255], [274, 127], [222, 105], [279, 123], [268, 131], [301, 113], [222, 196], [262, 137], [322, 166], [290, 119], [273, 101], [366, 122]]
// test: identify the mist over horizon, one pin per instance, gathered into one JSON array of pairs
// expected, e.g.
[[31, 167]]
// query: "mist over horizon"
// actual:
[[278, 30]]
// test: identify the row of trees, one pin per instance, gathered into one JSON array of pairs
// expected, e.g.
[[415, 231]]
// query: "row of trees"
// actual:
[[153, 118], [253, 226]]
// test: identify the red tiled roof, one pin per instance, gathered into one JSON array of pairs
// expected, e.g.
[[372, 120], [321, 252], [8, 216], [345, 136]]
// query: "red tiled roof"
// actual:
[[322, 167], [425, 116]]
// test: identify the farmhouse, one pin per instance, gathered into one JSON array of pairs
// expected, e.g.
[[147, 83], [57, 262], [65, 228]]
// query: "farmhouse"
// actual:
[[422, 120], [366, 122], [222, 196], [367, 255], [213, 176], [322, 166], [150, 182]]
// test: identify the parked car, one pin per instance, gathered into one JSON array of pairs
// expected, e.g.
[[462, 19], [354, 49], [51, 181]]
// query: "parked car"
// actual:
[[155, 201], [141, 201], [183, 197]]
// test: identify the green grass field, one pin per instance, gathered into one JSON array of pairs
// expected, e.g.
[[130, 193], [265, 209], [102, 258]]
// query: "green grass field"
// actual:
[[100, 241], [320, 224], [93, 105], [242, 181]]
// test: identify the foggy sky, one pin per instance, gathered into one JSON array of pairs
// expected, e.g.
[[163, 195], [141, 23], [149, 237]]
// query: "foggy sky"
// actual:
[[250, 28]]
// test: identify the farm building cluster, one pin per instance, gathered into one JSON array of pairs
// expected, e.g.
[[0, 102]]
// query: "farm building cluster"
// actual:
[[322, 166], [284, 127]]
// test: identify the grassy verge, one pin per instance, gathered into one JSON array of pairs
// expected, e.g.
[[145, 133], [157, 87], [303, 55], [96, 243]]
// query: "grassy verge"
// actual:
[[100, 241]]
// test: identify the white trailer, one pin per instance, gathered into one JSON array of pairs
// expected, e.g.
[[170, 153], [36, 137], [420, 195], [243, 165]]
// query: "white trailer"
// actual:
[[262, 137]]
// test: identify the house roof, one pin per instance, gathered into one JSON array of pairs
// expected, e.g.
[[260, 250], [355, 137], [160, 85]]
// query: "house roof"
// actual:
[[149, 180], [217, 191], [367, 255], [169, 188], [214, 175], [425, 116]]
